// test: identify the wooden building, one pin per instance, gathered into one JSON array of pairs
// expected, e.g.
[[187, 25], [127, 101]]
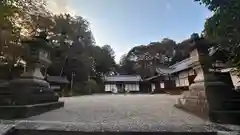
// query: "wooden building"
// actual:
[[178, 76], [181, 75], [122, 83], [161, 81]]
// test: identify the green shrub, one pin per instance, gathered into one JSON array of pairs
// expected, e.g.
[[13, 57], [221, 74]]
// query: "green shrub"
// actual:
[[90, 87]]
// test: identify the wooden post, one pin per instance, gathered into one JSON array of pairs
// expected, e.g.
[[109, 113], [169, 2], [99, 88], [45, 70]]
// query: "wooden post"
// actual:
[[73, 74], [45, 74], [61, 72]]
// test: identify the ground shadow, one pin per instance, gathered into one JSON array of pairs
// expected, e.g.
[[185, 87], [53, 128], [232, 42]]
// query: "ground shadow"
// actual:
[[202, 115]]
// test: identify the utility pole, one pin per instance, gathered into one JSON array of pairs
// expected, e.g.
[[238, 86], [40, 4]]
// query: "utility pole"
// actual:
[[45, 73], [63, 38], [73, 74], [61, 73]]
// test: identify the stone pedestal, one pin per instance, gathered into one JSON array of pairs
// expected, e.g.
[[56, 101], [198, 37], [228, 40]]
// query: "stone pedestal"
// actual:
[[195, 99]]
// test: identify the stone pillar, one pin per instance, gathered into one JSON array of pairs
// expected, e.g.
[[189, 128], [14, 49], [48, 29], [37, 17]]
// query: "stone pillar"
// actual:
[[208, 95], [195, 99], [206, 83]]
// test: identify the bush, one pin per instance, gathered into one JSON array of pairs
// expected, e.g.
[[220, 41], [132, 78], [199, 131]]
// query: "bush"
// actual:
[[66, 93], [87, 87], [90, 87], [78, 89]]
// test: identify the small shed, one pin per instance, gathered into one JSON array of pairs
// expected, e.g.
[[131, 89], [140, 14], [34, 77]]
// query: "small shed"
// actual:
[[162, 80], [58, 83]]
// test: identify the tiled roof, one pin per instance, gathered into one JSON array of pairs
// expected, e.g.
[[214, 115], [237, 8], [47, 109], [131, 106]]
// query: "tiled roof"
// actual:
[[57, 79], [123, 78], [182, 65], [164, 70], [151, 78]]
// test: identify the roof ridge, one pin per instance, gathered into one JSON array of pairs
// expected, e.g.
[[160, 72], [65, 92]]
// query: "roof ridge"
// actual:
[[180, 62], [122, 75]]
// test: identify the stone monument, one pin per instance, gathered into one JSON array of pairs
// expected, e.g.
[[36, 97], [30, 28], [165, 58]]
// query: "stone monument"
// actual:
[[30, 94], [208, 95]]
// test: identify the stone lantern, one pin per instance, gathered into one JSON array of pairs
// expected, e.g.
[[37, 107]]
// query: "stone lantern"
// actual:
[[37, 56], [208, 95], [31, 94]]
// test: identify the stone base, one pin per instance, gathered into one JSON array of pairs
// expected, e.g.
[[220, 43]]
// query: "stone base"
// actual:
[[193, 101], [193, 106], [229, 116], [225, 117], [24, 111]]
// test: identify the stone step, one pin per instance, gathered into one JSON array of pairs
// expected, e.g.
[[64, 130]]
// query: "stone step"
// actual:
[[51, 132], [24, 111], [73, 128], [6, 129], [231, 105]]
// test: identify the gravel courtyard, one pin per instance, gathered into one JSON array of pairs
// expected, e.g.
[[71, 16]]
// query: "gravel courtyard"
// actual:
[[121, 109]]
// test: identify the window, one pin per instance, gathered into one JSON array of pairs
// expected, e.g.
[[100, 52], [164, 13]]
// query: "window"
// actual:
[[132, 87], [186, 82], [110, 87], [162, 85], [177, 82], [107, 87], [182, 82]]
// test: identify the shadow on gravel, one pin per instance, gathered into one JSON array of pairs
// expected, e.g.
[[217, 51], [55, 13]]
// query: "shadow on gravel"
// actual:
[[49, 132], [203, 116]]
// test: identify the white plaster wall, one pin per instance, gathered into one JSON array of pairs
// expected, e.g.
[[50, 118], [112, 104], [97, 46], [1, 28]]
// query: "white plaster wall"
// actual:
[[111, 87], [153, 87], [183, 79], [194, 55], [235, 79], [132, 87], [162, 85]]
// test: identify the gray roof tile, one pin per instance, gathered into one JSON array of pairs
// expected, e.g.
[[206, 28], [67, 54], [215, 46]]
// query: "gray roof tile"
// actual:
[[164, 70], [123, 78], [182, 65]]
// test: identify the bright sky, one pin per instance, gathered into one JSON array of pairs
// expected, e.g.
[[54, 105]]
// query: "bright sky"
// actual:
[[124, 24]]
